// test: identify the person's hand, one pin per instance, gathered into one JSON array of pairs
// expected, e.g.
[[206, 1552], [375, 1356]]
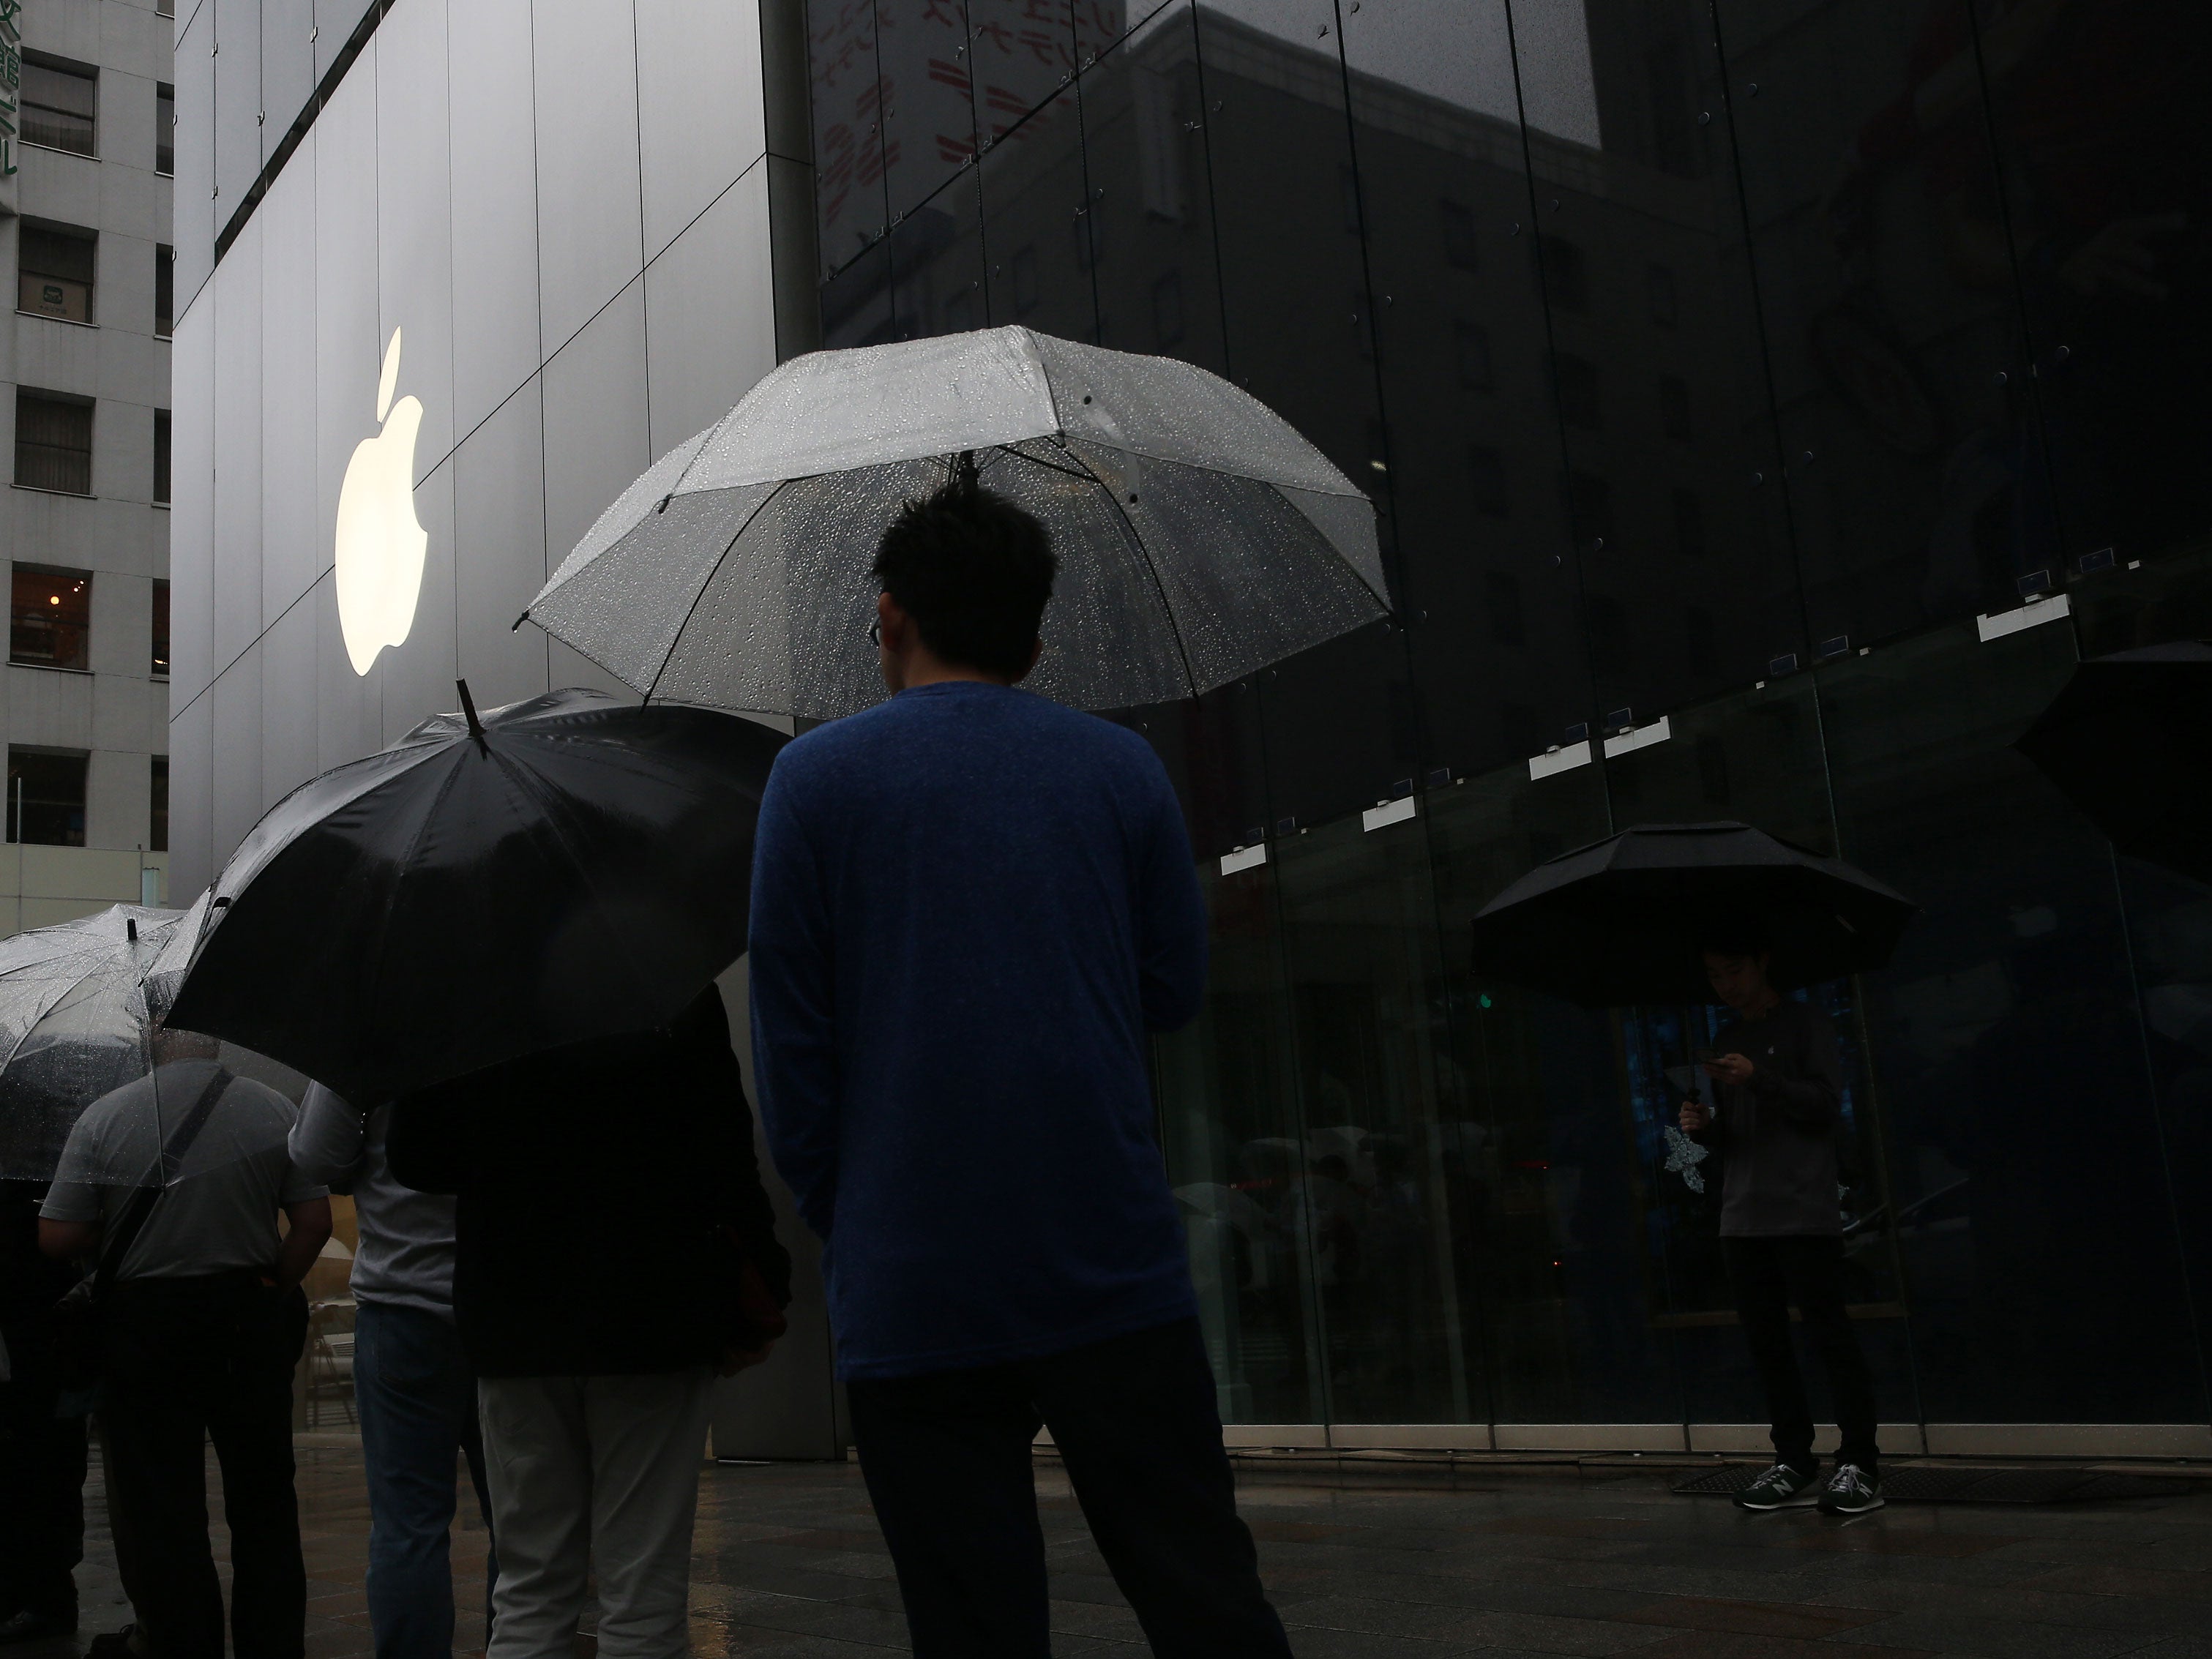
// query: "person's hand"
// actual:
[[1697, 1117], [735, 1360], [1730, 1068]]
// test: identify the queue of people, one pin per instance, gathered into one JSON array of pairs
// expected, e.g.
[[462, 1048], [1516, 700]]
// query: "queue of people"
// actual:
[[970, 906]]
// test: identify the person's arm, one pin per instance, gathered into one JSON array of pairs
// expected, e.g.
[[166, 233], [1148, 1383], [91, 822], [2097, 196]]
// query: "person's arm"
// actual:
[[329, 1142], [68, 1240], [1171, 917], [794, 1018], [1813, 1098], [740, 1198], [311, 1231]]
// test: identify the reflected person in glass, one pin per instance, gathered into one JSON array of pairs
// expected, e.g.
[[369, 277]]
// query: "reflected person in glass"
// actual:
[[1780, 1079], [969, 905]]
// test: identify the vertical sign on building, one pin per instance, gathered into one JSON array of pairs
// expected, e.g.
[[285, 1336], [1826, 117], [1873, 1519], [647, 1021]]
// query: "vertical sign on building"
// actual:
[[11, 89]]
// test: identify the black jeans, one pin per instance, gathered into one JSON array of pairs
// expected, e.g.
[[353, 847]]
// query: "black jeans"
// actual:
[[188, 1361], [1768, 1275], [42, 1463], [947, 1459]]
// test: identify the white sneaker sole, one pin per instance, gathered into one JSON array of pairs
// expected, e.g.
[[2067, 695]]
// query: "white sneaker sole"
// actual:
[[1804, 1499], [1855, 1508]]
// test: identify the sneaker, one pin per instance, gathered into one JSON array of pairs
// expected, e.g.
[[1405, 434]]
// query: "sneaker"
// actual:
[[1852, 1491], [1780, 1488]]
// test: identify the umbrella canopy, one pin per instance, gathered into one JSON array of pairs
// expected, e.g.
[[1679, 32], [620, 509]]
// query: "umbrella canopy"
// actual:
[[80, 1006], [1619, 921], [1199, 537], [563, 868], [2125, 742]]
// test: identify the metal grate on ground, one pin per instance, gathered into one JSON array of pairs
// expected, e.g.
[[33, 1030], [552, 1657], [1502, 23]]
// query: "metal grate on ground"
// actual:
[[1942, 1486]]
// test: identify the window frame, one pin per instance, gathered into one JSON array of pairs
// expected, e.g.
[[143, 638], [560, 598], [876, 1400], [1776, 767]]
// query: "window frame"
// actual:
[[17, 614], [55, 231], [70, 67], [41, 394]]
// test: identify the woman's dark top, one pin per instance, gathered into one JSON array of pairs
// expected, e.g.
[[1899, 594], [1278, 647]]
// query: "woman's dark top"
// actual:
[[608, 1194]]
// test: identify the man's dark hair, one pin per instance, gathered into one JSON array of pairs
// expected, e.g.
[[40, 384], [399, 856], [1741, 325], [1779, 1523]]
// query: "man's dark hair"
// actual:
[[974, 571]]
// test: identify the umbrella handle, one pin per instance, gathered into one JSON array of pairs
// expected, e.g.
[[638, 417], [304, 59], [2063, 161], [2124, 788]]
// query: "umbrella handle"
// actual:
[[469, 709]]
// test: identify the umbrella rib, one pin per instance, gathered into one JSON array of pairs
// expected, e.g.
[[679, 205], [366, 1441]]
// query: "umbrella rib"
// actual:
[[1143, 556], [697, 598]]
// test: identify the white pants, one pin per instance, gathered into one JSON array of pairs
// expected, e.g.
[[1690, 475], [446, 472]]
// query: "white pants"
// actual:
[[591, 1471]]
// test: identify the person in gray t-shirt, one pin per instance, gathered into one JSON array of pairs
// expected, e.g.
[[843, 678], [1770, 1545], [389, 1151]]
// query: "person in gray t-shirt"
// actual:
[[413, 1386], [1780, 1084], [201, 1328]]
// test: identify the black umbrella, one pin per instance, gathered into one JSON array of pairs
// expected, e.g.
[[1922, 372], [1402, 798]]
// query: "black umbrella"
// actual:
[[1620, 921], [563, 868], [2126, 742]]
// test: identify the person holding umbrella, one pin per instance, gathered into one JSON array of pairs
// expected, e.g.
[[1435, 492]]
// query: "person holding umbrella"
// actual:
[[969, 905], [1779, 1078]]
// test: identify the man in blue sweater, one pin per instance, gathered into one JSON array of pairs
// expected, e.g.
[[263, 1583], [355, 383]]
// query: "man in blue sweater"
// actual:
[[969, 905]]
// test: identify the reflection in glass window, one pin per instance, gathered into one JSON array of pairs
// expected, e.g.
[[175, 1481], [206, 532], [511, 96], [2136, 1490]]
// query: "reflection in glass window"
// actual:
[[1704, 645], [1502, 598], [1659, 294], [1578, 399], [1566, 274], [50, 621], [1347, 184], [1167, 309], [1471, 352], [1026, 289], [45, 796], [53, 441], [1675, 407], [161, 666], [1589, 507], [54, 270], [1455, 226], [58, 101], [1611, 641], [1485, 469], [1689, 525], [162, 455]]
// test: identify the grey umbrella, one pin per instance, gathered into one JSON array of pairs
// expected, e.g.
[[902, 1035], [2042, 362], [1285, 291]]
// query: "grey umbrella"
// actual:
[[81, 1008], [1199, 537]]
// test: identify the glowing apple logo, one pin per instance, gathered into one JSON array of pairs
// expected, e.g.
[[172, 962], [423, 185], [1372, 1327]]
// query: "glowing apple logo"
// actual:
[[380, 542]]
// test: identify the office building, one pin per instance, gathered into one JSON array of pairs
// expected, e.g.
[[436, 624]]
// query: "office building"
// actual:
[[1765, 412]]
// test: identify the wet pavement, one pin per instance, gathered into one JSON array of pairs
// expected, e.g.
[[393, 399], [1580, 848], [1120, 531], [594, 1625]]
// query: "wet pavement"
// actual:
[[1415, 1561]]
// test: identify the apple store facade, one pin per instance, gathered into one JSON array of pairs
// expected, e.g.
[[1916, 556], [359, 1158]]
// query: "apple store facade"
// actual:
[[1763, 414]]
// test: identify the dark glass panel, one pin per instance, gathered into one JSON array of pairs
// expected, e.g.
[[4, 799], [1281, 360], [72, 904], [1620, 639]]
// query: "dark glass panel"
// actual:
[[850, 200], [1377, 1203], [938, 265], [1647, 273], [1035, 229], [856, 303], [1913, 460], [1151, 209], [2098, 113], [2033, 1217], [1234, 1137], [1024, 51], [923, 49]]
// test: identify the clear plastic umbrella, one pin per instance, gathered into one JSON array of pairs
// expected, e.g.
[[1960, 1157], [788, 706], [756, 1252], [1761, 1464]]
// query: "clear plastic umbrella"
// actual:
[[81, 1042], [1199, 537]]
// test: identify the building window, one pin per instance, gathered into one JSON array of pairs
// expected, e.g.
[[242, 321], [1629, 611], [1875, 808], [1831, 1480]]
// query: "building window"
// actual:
[[45, 796], [54, 267], [162, 456], [165, 128], [1611, 639], [1471, 352], [157, 827], [1502, 591], [53, 441], [161, 669], [1675, 407], [1589, 508], [1485, 469], [1659, 294], [1689, 525], [50, 620], [58, 101], [1167, 309], [165, 289], [1566, 274], [1456, 221], [1578, 399], [1704, 659]]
